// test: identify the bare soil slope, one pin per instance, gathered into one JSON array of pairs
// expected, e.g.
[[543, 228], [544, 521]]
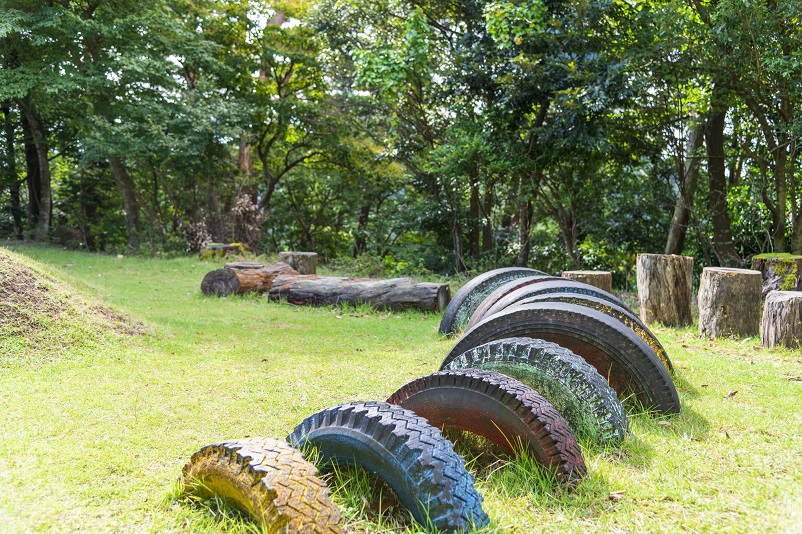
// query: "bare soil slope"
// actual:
[[42, 316]]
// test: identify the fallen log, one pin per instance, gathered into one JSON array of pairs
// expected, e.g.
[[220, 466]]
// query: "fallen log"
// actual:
[[236, 279], [393, 294]]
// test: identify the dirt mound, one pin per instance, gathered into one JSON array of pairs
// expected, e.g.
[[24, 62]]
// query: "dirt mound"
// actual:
[[39, 313]]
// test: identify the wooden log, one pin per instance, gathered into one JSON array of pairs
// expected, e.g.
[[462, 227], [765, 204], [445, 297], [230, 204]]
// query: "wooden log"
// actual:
[[231, 281], [601, 279], [782, 319], [664, 288], [394, 294], [781, 272], [729, 302], [244, 265], [303, 262]]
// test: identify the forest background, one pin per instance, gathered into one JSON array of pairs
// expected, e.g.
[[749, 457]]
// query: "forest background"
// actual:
[[426, 136]]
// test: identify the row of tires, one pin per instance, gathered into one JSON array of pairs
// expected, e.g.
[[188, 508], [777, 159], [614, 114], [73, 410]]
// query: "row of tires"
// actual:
[[523, 393], [595, 325]]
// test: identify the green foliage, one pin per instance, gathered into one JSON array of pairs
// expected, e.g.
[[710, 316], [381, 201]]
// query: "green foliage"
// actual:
[[510, 22]]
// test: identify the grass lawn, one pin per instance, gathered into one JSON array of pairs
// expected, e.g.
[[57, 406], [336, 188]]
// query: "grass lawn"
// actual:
[[96, 427]]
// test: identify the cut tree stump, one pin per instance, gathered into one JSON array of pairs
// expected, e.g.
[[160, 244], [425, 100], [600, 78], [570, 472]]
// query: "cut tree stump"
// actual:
[[221, 250], [601, 279], [233, 280], [664, 288], [781, 272], [729, 302], [393, 294], [303, 262], [782, 319]]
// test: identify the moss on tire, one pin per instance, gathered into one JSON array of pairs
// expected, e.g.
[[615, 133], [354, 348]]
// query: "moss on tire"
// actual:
[[268, 479], [577, 391]]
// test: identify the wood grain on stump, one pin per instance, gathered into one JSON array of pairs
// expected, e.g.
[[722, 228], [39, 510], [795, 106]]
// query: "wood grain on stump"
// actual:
[[729, 302], [394, 294], [664, 288], [601, 279], [235, 280], [303, 262], [782, 319]]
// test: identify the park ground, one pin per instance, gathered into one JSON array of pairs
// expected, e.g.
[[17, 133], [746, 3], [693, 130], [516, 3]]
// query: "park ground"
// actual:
[[101, 406]]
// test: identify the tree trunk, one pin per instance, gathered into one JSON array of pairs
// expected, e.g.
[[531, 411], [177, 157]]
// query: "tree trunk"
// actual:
[[688, 181], [729, 302], [487, 227], [782, 319], [360, 239], [394, 294], [11, 170], [474, 218], [32, 178], [239, 278], [664, 288], [601, 279], [456, 237], [41, 179], [723, 244], [216, 227], [126, 186], [526, 211]]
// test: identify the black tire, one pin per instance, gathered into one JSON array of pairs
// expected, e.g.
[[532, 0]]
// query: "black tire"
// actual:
[[557, 285], [574, 387], [269, 480], [501, 292], [406, 452], [613, 310], [629, 364], [504, 410], [463, 304]]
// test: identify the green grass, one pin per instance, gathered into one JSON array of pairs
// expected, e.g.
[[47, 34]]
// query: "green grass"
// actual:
[[94, 434]]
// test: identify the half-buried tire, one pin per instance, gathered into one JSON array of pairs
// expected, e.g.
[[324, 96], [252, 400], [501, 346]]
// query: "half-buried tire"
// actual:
[[406, 452], [629, 364], [501, 292], [507, 412], [465, 301], [269, 480], [575, 389], [613, 310], [556, 285]]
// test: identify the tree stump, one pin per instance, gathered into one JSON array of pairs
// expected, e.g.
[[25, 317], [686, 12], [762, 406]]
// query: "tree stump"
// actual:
[[601, 279], [233, 280], [303, 262], [781, 272], [782, 319], [221, 250], [664, 288], [729, 302], [394, 294]]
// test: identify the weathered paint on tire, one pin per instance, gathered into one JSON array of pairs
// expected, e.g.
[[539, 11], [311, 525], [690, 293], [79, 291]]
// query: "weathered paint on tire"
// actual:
[[269, 480], [629, 364], [557, 285], [406, 452], [574, 387], [501, 292], [465, 301], [608, 308], [504, 410]]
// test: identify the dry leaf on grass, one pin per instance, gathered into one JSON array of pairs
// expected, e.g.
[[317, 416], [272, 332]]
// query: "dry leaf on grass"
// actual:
[[616, 495], [664, 423], [730, 394]]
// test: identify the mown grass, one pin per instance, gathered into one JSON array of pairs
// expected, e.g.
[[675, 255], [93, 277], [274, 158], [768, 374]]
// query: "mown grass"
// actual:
[[94, 436]]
